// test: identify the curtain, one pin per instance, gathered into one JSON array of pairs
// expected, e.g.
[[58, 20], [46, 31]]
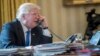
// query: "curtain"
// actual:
[[8, 9]]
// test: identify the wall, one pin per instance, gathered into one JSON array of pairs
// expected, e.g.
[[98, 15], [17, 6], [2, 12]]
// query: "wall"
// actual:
[[65, 20]]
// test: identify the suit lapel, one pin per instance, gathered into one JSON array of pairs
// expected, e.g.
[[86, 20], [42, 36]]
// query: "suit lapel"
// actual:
[[20, 33], [35, 36], [32, 37]]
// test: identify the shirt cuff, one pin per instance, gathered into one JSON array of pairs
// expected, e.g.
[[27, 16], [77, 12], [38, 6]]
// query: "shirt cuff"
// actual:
[[46, 32]]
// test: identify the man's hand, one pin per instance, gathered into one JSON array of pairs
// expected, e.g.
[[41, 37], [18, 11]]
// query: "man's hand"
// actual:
[[44, 23]]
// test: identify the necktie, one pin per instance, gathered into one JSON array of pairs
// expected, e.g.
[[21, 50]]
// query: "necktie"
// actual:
[[27, 38]]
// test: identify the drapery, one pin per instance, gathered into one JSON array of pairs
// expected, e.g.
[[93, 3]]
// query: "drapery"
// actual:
[[8, 9]]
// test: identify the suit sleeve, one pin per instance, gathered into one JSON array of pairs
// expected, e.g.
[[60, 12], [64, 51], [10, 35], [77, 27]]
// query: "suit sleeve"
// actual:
[[47, 36], [7, 37], [41, 38]]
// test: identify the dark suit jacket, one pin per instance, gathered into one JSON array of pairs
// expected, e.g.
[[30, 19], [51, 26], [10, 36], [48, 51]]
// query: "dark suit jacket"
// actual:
[[99, 42], [12, 35]]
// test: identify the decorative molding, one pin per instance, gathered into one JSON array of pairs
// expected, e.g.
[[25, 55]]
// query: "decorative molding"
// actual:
[[80, 2]]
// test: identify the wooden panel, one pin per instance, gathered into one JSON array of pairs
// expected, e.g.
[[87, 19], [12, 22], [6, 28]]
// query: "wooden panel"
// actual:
[[64, 21], [96, 1]]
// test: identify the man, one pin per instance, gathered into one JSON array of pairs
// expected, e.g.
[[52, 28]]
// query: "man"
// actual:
[[28, 29]]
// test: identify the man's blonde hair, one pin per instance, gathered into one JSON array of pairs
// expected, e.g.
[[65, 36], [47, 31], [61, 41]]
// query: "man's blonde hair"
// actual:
[[25, 8]]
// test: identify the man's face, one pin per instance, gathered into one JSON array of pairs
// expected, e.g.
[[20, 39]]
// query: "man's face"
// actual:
[[31, 18]]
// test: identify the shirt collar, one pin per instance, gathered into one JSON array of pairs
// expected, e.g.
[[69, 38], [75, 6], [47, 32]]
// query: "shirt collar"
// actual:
[[25, 29]]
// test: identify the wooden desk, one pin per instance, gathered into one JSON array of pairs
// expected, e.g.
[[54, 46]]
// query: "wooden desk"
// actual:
[[80, 54]]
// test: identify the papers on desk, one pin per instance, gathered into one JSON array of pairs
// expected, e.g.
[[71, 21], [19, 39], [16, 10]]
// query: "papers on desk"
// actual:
[[49, 49], [7, 51], [16, 51]]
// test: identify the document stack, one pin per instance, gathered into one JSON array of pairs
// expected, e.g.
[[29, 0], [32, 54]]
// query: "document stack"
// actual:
[[49, 49], [17, 52], [55, 48], [7, 52]]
